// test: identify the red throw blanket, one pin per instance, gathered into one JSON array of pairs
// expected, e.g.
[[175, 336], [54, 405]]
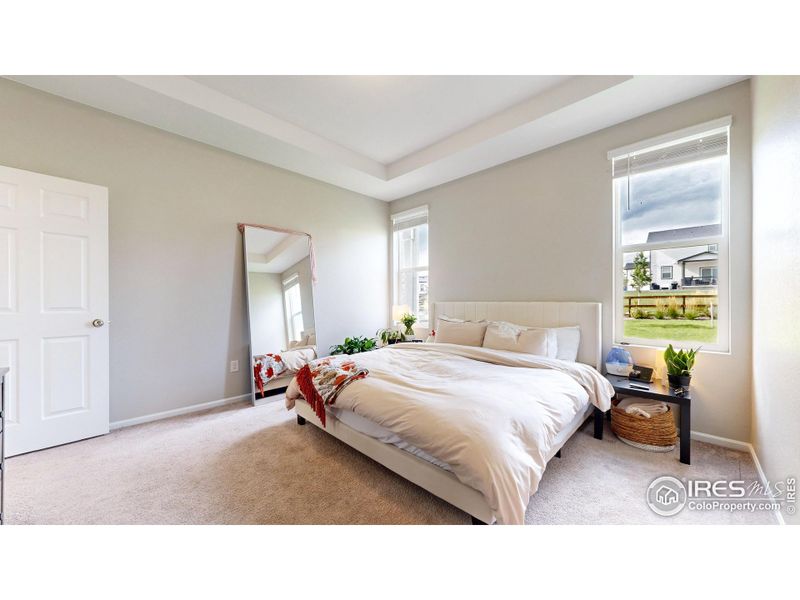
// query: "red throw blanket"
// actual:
[[321, 381]]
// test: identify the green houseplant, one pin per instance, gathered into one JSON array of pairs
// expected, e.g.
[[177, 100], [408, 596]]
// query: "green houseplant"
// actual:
[[408, 320], [354, 345], [679, 366], [390, 336]]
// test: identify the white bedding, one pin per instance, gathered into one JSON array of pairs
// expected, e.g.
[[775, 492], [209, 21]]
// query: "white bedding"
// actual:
[[380, 433], [492, 416], [297, 357]]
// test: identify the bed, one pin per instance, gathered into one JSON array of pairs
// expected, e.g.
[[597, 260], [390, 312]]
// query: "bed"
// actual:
[[473, 426]]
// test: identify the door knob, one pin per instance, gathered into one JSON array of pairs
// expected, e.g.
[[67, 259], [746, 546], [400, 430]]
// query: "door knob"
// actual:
[[98, 323]]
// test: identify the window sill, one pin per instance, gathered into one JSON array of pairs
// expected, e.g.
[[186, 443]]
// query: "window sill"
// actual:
[[661, 346]]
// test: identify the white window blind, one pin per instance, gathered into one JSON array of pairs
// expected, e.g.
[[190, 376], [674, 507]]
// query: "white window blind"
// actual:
[[704, 146], [410, 218]]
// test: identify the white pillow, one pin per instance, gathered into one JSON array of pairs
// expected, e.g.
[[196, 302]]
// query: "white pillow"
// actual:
[[454, 320], [303, 341], [507, 336], [464, 332], [562, 342], [551, 350], [568, 341]]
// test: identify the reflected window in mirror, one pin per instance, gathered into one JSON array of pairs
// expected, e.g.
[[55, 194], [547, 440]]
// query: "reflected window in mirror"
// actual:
[[294, 308]]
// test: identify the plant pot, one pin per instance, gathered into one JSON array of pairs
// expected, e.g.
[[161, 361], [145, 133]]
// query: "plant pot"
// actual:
[[679, 381]]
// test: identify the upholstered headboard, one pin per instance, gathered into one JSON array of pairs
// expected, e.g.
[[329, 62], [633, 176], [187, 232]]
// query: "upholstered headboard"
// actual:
[[587, 315]]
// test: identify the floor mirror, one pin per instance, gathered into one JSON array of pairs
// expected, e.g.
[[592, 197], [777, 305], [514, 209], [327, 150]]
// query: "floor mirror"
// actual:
[[279, 268]]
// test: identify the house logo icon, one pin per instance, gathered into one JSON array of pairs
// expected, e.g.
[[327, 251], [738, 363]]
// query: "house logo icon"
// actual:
[[666, 496]]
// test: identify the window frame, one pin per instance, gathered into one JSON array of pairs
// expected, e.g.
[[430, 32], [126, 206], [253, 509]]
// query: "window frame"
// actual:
[[394, 258], [671, 272], [722, 240]]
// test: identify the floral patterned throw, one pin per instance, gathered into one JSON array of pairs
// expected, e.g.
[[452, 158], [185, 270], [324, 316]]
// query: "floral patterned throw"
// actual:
[[321, 381], [266, 368]]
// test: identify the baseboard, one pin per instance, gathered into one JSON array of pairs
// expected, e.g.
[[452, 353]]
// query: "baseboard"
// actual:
[[764, 481], [176, 412], [742, 447], [721, 441]]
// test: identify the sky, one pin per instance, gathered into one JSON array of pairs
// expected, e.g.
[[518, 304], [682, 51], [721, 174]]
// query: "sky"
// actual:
[[681, 196]]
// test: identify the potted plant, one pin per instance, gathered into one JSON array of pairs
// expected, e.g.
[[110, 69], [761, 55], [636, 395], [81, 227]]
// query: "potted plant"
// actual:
[[390, 336], [354, 345], [408, 320], [679, 366]]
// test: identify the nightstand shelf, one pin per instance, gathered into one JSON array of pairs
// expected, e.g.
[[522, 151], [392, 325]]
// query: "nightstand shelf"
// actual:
[[663, 393]]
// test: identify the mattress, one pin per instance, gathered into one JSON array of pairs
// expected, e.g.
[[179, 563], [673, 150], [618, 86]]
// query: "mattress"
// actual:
[[380, 433]]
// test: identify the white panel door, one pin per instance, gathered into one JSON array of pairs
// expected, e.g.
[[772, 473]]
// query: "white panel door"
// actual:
[[53, 309]]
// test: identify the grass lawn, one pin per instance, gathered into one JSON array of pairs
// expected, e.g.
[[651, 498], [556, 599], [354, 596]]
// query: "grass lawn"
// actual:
[[690, 331]]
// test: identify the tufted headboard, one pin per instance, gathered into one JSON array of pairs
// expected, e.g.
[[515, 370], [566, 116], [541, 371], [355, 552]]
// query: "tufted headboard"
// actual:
[[587, 315]]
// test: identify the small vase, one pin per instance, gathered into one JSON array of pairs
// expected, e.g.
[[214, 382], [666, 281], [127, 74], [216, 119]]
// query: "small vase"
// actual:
[[409, 332]]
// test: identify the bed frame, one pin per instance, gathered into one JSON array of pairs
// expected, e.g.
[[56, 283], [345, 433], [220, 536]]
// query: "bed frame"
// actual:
[[438, 481]]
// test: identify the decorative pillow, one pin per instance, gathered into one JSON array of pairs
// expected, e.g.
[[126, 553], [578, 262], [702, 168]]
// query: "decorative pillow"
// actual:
[[507, 336], [312, 340], [465, 333], [551, 348]]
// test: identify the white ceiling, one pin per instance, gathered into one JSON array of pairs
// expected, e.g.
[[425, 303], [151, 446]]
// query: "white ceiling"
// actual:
[[384, 117], [383, 136], [273, 251]]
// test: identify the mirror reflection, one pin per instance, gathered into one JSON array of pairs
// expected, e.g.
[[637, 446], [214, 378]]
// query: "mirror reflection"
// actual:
[[280, 308]]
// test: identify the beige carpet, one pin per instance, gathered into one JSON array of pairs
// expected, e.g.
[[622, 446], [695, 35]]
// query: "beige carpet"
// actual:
[[241, 464]]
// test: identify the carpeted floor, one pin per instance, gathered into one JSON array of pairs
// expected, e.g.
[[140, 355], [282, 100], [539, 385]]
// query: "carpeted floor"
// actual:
[[243, 464]]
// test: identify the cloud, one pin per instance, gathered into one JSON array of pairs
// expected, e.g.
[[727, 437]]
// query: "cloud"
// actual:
[[681, 196]]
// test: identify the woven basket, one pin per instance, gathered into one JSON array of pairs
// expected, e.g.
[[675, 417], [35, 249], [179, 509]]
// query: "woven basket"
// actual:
[[658, 431]]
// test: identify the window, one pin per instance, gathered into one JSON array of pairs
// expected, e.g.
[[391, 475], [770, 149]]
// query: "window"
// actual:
[[671, 206], [410, 261], [708, 272], [294, 308]]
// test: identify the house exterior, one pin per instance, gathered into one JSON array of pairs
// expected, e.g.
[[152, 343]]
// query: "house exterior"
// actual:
[[694, 267]]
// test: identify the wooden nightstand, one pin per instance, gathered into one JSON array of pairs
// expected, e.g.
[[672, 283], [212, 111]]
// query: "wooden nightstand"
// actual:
[[656, 391]]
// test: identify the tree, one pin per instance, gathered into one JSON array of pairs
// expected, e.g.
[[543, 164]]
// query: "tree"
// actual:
[[640, 276]]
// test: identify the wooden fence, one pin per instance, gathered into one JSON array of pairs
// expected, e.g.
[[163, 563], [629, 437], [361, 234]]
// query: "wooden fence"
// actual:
[[681, 300]]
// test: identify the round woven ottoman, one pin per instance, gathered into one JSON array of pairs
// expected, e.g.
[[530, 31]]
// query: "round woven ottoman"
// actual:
[[656, 434]]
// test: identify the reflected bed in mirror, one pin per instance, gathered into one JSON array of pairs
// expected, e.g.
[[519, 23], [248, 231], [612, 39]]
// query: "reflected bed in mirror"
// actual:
[[280, 305]]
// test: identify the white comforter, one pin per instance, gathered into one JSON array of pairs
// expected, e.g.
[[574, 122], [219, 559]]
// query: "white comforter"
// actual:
[[491, 415]]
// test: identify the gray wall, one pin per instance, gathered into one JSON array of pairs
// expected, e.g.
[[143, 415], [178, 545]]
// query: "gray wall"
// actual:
[[776, 281], [267, 319], [177, 276], [540, 228], [303, 270]]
